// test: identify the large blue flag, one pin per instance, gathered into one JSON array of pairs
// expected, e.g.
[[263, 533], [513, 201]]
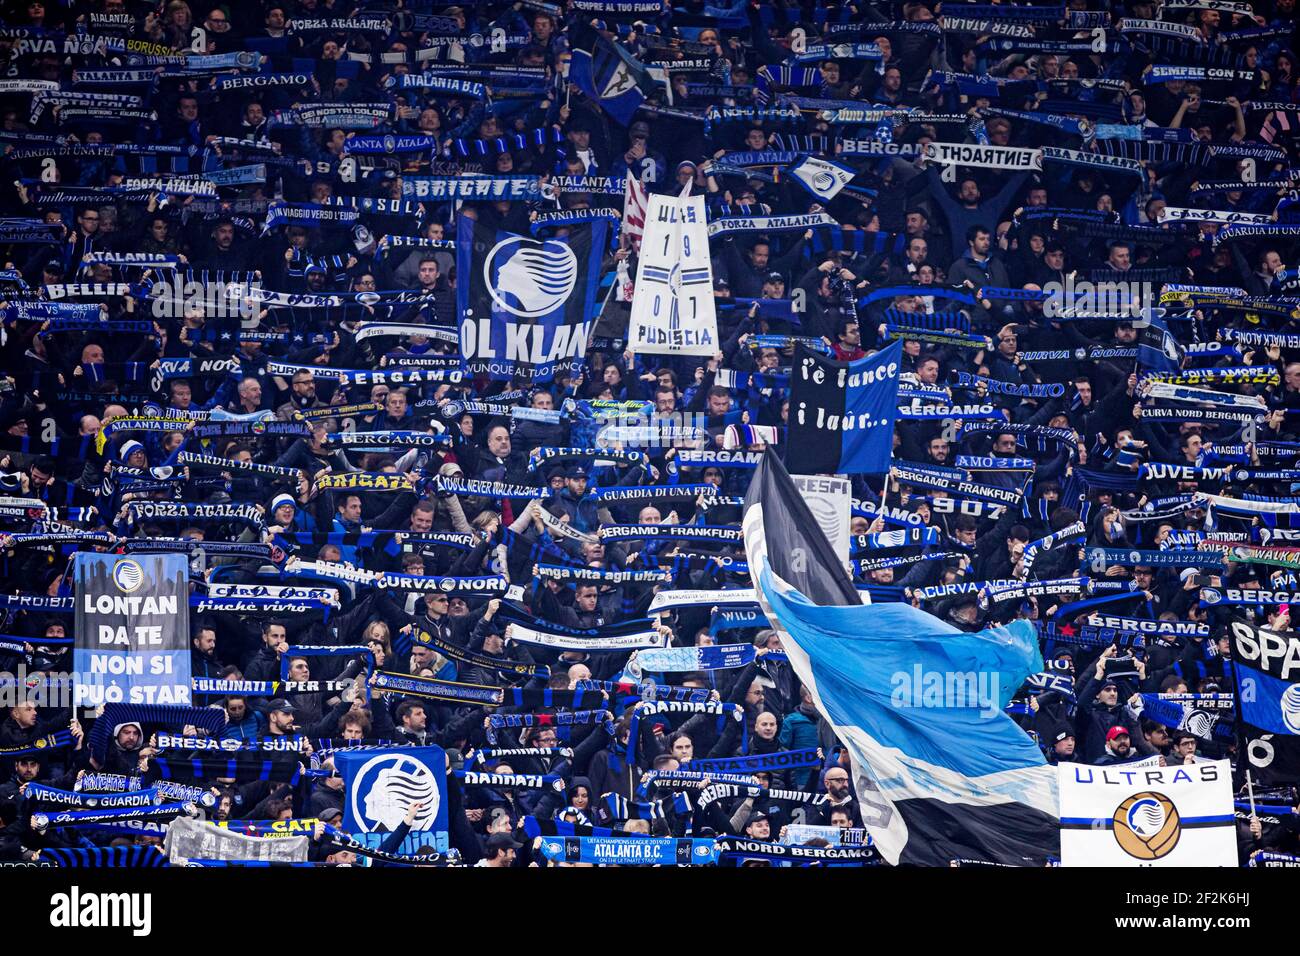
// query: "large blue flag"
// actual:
[[526, 306], [941, 772], [842, 414], [380, 786], [612, 77]]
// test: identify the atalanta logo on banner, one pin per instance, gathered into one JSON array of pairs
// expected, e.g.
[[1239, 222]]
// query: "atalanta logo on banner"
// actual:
[[128, 575], [529, 277], [386, 787], [1290, 708], [526, 306], [1147, 825], [380, 787]]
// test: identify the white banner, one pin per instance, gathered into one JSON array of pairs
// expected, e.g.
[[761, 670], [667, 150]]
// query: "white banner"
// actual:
[[672, 306], [1125, 815], [726, 597], [1220, 216], [574, 642], [986, 157], [831, 501]]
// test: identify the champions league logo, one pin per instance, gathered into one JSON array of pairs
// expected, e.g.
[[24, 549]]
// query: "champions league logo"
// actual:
[[128, 575], [532, 277], [1147, 825], [385, 788]]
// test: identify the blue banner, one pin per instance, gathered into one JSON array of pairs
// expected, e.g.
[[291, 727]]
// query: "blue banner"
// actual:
[[380, 786], [629, 851], [132, 629], [526, 306], [842, 414]]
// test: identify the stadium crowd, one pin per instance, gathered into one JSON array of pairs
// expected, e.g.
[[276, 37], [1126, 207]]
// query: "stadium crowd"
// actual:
[[484, 536]]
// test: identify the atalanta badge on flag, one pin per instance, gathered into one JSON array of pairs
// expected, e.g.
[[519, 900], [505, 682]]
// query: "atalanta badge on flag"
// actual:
[[526, 305], [822, 177]]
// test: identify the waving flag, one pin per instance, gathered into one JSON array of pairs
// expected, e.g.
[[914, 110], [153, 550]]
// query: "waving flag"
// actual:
[[1157, 348], [635, 201], [613, 78], [939, 776], [842, 414], [526, 305], [823, 178], [1267, 668]]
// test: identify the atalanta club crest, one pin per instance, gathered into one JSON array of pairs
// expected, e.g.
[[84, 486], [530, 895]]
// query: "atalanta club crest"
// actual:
[[528, 277], [387, 786], [128, 575], [1147, 825]]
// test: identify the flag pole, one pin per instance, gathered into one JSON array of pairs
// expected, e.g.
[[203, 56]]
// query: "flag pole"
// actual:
[[1243, 757]]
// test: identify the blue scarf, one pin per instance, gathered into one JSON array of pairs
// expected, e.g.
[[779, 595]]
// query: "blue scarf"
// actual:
[[131, 857], [755, 763], [629, 851]]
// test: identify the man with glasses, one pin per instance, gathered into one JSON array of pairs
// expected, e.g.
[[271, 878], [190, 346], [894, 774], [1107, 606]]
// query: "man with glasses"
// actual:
[[83, 240], [839, 793], [302, 395]]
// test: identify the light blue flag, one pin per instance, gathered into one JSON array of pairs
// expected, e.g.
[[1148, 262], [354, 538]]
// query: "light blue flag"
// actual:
[[940, 770]]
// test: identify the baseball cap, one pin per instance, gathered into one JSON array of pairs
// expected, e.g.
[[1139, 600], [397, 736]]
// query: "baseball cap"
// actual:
[[1116, 732], [499, 841], [774, 277], [280, 705], [576, 471]]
